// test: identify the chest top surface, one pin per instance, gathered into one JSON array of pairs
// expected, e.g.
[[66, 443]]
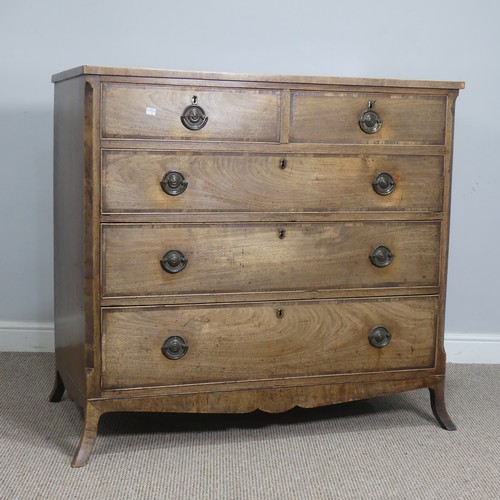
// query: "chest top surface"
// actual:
[[207, 75]]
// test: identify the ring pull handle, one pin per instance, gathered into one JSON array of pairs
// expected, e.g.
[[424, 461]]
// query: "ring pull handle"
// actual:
[[384, 184], [173, 183], [194, 117], [370, 121], [174, 347], [173, 261], [379, 336], [381, 256]]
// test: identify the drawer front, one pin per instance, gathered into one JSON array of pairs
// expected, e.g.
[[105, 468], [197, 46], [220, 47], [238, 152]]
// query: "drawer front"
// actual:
[[250, 342], [154, 112], [333, 117], [132, 182], [226, 258]]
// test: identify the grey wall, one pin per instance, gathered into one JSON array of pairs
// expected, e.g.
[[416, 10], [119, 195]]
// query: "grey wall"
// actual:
[[448, 40]]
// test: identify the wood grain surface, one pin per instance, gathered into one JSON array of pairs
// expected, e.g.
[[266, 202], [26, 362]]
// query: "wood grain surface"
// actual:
[[252, 258], [140, 111], [333, 117], [238, 343], [241, 183]]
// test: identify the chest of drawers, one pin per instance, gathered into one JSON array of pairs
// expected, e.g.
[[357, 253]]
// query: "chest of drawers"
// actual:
[[227, 243]]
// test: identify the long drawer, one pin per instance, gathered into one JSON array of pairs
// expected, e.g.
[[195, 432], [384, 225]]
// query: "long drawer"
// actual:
[[264, 341], [149, 182], [333, 117], [253, 257], [154, 112]]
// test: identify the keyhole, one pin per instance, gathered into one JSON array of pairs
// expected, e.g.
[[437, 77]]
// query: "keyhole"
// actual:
[[281, 234], [194, 99], [280, 313], [282, 164]]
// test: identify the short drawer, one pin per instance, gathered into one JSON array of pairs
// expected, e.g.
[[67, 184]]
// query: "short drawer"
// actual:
[[253, 257], [165, 346], [334, 117], [150, 182], [154, 112]]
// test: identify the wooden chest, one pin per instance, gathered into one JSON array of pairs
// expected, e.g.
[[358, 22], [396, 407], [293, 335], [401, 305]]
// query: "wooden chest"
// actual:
[[226, 243]]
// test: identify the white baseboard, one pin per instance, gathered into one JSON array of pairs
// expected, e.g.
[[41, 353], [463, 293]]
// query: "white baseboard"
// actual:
[[460, 347], [26, 337], [472, 347]]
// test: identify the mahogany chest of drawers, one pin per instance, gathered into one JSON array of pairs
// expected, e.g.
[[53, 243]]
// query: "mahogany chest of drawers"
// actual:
[[226, 243]]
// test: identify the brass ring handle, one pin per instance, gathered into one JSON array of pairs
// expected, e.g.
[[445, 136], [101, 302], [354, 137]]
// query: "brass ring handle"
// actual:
[[384, 184], [173, 183], [381, 256], [194, 117], [379, 336], [173, 262], [370, 121], [174, 347]]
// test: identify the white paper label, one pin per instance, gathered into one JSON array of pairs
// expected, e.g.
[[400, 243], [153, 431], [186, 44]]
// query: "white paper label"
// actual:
[[151, 111]]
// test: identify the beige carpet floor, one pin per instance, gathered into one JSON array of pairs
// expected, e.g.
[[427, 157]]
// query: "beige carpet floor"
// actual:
[[383, 448]]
